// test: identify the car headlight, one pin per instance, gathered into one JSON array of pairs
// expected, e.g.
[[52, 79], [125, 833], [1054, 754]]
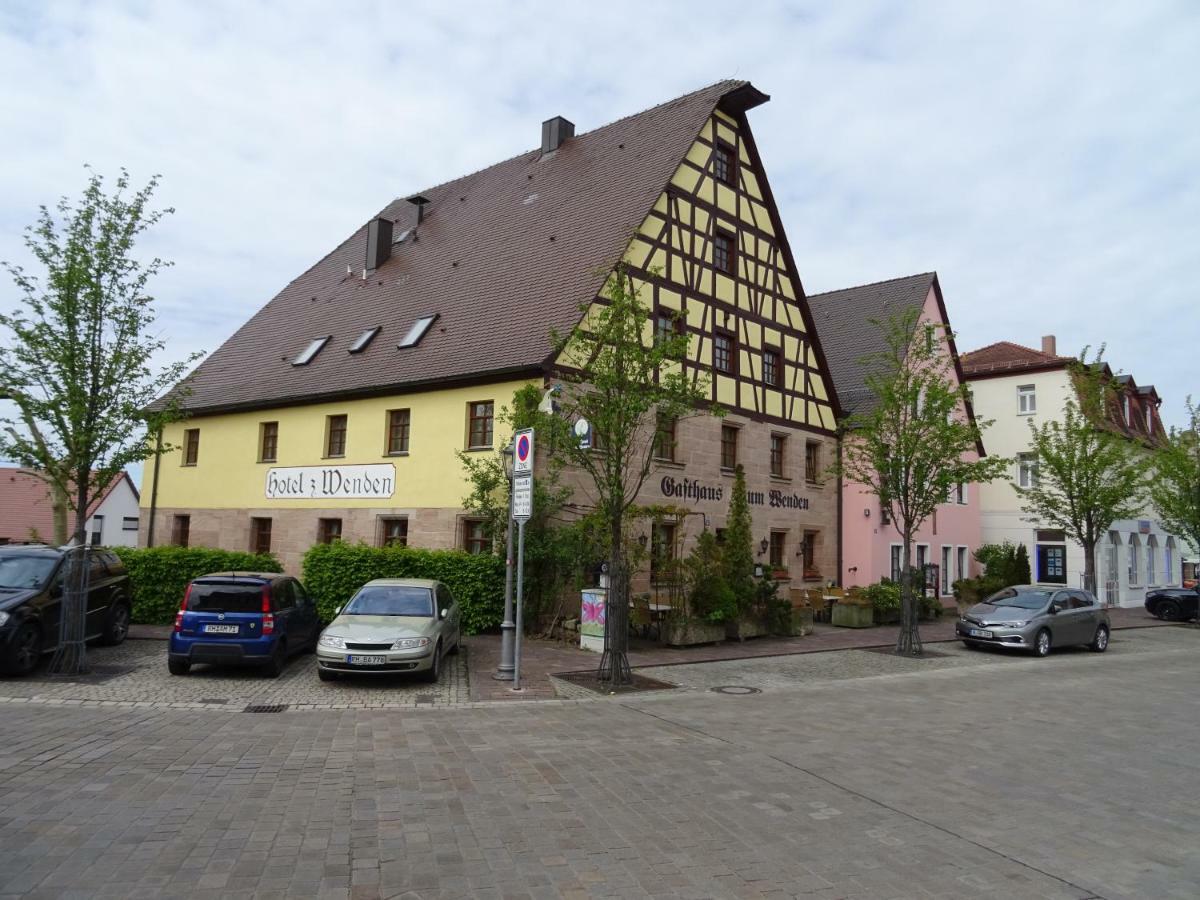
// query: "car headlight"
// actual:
[[410, 643], [962, 619], [1014, 624], [332, 640], [3, 619]]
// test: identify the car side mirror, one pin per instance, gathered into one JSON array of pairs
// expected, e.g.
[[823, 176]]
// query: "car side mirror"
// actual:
[[338, 611], [444, 613], [1053, 611]]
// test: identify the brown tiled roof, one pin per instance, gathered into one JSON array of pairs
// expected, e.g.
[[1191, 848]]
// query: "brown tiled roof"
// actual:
[[842, 319], [501, 257], [25, 512], [1004, 357]]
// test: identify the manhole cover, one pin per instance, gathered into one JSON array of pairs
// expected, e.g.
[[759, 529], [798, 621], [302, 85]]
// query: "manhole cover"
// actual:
[[266, 708], [737, 690]]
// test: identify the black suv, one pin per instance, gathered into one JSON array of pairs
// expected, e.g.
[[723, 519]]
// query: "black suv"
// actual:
[[31, 590]]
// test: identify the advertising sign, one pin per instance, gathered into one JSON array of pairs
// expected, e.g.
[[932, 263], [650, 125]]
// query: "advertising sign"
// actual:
[[374, 482]]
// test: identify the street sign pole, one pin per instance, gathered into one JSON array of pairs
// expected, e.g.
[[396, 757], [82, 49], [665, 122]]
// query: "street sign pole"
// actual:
[[521, 497], [504, 671]]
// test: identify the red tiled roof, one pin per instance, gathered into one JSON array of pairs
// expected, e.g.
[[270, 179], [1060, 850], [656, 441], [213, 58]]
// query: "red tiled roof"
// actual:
[[25, 512], [1005, 356], [502, 257]]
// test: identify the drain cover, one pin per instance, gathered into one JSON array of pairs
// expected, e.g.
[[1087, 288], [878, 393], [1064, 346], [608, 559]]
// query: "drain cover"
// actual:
[[213, 700], [738, 690], [266, 708]]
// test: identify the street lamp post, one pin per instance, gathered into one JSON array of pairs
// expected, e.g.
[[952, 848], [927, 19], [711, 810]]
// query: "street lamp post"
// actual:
[[507, 666]]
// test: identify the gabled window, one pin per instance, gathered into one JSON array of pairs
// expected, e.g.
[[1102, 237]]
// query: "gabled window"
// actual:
[[309, 353], [725, 164], [335, 435], [417, 332], [363, 339], [724, 251], [191, 446], [724, 353], [772, 366], [1026, 400]]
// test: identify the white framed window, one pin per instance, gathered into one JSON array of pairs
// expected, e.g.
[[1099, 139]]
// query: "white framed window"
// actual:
[[1169, 561], [1026, 399], [1151, 560], [960, 493], [960, 567], [1027, 470], [947, 555], [1135, 559]]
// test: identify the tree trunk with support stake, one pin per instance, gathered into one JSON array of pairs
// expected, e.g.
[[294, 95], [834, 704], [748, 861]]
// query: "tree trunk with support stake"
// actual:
[[614, 662], [908, 642]]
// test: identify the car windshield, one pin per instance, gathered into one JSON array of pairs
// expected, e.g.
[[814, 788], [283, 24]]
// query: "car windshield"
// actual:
[[229, 597], [25, 571], [390, 600], [1019, 599]]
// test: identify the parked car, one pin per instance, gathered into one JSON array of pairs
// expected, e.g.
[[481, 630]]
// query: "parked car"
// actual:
[[1173, 604], [1032, 617], [240, 618], [32, 579], [392, 625]]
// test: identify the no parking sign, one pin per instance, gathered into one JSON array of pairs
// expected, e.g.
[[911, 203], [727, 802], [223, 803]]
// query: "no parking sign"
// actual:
[[523, 452]]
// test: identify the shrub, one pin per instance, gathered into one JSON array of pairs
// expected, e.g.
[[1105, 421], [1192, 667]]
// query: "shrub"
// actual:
[[709, 595], [885, 598], [333, 572], [1005, 564], [159, 576]]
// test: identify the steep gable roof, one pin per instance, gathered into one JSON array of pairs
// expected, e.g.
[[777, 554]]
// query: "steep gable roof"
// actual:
[[1004, 357], [501, 257], [842, 319]]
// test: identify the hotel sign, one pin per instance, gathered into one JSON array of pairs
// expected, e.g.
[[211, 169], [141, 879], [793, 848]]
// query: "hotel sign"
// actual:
[[693, 489], [374, 482]]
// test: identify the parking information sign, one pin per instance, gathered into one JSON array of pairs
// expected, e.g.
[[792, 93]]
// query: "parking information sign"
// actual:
[[522, 498], [523, 452]]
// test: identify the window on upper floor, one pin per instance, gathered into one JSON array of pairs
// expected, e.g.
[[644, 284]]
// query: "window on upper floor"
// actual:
[[777, 556], [724, 353], [960, 493], [480, 417], [778, 449], [335, 435], [725, 164], [1149, 419], [729, 441], [398, 423], [664, 438], [1027, 470], [191, 446], [812, 461], [667, 325], [772, 366], [724, 252], [268, 441], [1026, 400]]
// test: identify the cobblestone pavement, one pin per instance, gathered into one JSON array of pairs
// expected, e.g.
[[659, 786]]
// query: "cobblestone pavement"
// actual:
[[1068, 777], [135, 674]]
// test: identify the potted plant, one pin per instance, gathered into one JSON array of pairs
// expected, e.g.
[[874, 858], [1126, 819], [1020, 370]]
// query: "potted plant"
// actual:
[[700, 613], [737, 564], [854, 610], [792, 617]]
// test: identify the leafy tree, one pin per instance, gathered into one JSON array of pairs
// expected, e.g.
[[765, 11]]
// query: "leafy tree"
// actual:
[[1087, 474], [1175, 488], [627, 381], [912, 444], [78, 363], [737, 553]]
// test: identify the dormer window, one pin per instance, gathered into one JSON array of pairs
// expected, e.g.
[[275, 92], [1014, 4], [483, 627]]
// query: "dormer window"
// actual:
[[417, 332], [310, 352]]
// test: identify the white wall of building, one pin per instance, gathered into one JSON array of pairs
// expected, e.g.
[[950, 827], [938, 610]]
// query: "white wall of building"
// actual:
[[115, 522], [1003, 518]]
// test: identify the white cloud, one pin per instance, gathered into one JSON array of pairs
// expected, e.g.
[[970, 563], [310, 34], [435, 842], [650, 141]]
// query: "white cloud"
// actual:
[[1040, 156]]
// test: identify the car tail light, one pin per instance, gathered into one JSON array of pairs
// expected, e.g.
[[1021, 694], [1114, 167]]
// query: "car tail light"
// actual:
[[182, 607], [178, 622], [268, 617]]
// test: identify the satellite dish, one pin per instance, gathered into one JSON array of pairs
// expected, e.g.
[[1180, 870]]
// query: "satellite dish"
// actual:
[[583, 431]]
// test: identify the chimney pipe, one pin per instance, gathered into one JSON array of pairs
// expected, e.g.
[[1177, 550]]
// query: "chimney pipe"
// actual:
[[379, 242], [555, 132], [419, 202], [1049, 345]]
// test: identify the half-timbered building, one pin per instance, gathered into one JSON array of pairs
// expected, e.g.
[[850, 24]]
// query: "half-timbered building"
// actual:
[[338, 408]]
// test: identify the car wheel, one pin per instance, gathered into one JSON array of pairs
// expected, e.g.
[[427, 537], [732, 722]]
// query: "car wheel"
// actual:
[[457, 644], [1100, 641], [434, 672], [178, 666], [1169, 611], [118, 625], [327, 675], [26, 650], [278, 660], [1041, 644]]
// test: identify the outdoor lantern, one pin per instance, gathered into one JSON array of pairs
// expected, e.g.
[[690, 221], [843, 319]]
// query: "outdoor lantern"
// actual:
[[867, 513], [763, 545], [642, 540], [507, 453]]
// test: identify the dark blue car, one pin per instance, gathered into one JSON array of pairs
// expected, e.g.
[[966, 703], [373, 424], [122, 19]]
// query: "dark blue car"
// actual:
[[239, 618]]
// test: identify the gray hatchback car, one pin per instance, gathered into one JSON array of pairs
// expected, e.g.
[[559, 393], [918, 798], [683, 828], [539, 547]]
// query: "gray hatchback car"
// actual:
[[392, 625], [1037, 618]]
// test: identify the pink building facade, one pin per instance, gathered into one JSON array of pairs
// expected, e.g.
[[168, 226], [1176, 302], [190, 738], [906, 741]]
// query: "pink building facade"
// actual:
[[871, 547]]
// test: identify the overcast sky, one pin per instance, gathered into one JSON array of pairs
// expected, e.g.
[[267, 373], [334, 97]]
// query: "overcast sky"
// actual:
[[1041, 156]]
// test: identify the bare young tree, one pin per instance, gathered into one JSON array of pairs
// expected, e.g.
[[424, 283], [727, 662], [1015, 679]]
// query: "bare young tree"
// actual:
[[78, 362], [914, 441]]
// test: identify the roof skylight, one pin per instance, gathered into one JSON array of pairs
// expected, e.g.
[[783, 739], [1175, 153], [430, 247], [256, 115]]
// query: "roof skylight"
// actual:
[[417, 331], [310, 351], [363, 339], [400, 236]]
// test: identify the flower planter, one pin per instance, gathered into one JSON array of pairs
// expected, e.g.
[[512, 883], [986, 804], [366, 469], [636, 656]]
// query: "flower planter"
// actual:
[[848, 615], [681, 633], [746, 627], [798, 623]]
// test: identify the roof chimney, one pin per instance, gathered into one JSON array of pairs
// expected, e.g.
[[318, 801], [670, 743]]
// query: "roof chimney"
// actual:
[[419, 202], [379, 242], [1049, 345], [555, 132]]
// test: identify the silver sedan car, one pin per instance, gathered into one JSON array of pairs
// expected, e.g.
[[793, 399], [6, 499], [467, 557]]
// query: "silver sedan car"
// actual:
[[1032, 617], [392, 625]]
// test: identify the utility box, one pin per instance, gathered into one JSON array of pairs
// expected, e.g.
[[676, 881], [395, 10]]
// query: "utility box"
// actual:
[[591, 619]]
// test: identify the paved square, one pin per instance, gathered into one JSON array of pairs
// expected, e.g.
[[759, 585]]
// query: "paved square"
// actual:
[[983, 776]]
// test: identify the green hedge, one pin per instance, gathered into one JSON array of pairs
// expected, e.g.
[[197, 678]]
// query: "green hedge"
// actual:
[[160, 575], [333, 572]]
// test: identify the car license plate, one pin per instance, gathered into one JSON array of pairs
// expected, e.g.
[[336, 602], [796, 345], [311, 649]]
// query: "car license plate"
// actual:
[[221, 629], [366, 660], [980, 632]]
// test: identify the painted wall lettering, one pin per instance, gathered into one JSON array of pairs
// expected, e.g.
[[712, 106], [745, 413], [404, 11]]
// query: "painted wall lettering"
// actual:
[[331, 482]]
